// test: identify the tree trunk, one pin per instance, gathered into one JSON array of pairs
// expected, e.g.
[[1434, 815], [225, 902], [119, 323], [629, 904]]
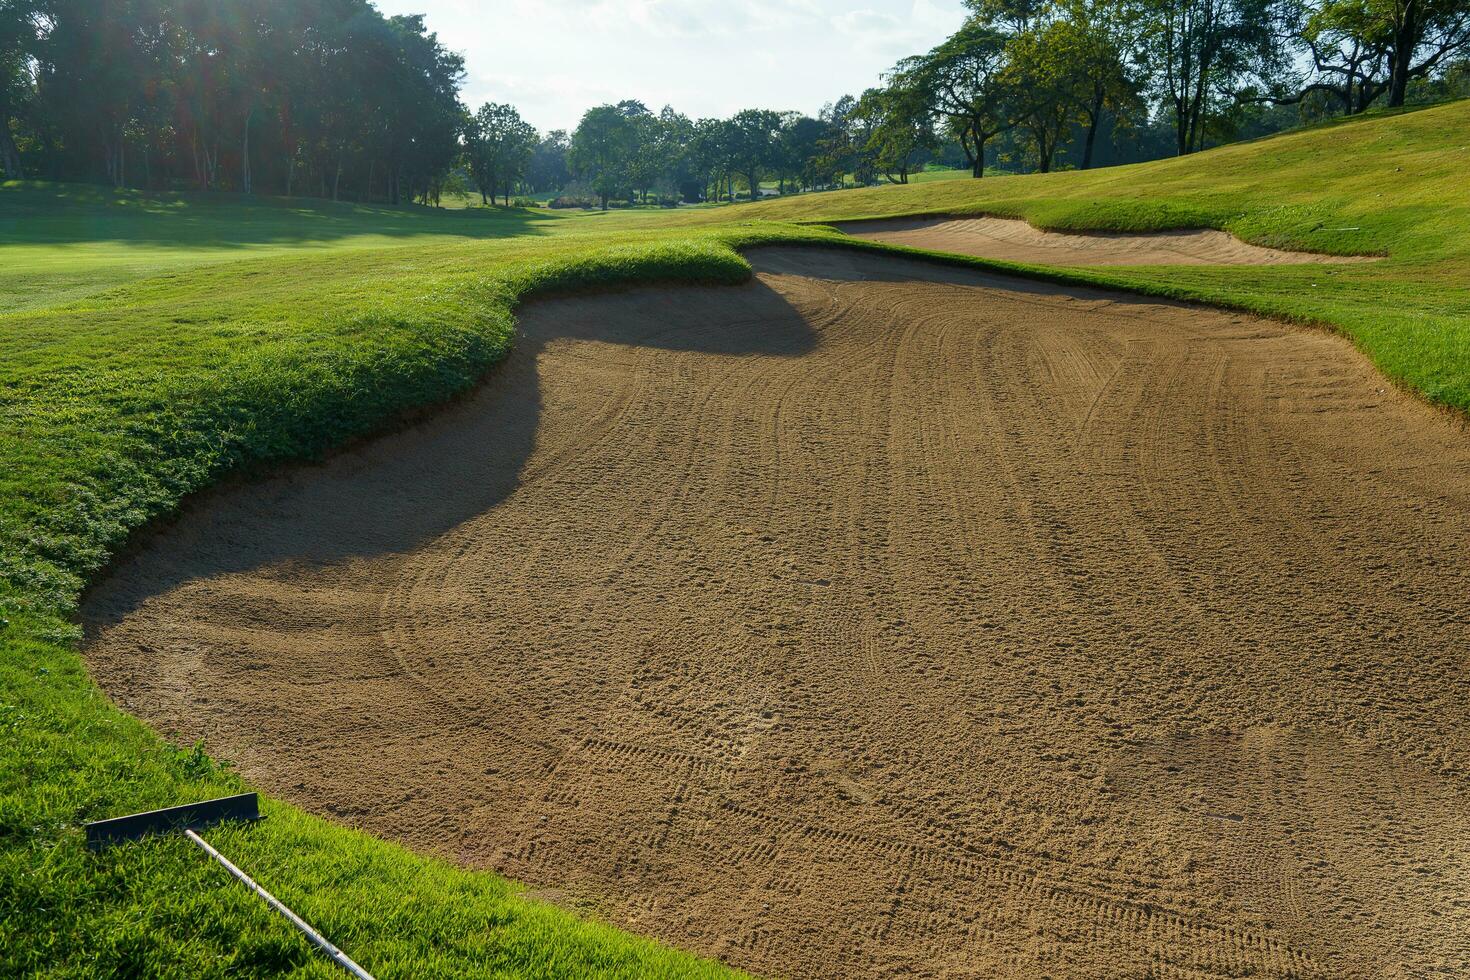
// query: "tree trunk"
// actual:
[[1094, 116], [1403, 53], [245, 180], [1044, 153], [337, 180], [9, 152]]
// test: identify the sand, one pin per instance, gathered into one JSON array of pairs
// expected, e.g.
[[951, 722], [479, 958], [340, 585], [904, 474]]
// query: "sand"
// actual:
[[872, 618], [1017, 241]]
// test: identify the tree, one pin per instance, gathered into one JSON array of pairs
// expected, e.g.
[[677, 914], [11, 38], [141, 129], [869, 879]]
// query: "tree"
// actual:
[[798, 147], [240, 95], [837, 149], [420, 107], [1362, 49], [1093, 39], [19, 41], [602, 148], [646, 160], [677, 176], [1040, 81], [753, 136], [1196, 50], [548, 170], [498, 145], [900, 131], [709, 156], [963, 80]]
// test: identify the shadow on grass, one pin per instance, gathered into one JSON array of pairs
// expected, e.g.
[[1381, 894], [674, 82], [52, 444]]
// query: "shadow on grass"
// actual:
[[70, 214]]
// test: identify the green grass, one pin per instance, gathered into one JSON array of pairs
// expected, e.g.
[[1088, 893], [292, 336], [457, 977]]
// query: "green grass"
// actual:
[[152, 344], [65, 241]]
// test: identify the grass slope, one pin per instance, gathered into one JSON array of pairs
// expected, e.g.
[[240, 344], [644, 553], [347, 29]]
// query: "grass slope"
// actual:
[[153, 344], [1391, 185]]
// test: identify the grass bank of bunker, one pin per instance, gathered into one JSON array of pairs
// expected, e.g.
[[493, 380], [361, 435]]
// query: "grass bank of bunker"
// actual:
[[873, 615]]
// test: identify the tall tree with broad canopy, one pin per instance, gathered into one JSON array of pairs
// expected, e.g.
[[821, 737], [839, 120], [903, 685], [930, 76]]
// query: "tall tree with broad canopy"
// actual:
[[800, 146], [710, 156], [753, 146], [837, 150], [498, 145], [1041, 84], [20, 22], [548, 170], [964, 80], [602, 150], [900, 129], [242, 95], [1358, 50], [1093, 38]]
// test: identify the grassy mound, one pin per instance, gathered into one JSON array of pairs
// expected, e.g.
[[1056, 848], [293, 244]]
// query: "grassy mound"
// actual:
[[155, 343]]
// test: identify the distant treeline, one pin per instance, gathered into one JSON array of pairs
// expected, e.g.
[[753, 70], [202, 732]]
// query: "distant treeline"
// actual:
[[330, 98], [286, 96]]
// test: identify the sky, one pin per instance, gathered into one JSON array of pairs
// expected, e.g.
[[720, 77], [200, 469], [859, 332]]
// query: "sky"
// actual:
[[553, 59]]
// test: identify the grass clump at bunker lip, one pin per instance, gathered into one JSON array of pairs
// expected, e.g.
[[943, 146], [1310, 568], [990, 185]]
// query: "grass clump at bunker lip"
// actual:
[[153, 344]]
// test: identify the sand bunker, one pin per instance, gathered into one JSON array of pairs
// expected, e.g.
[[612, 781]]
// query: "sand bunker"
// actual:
[[873, 618], [1017, 241]]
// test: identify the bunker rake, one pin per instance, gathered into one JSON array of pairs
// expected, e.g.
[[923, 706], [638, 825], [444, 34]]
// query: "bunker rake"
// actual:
[[193, 817]]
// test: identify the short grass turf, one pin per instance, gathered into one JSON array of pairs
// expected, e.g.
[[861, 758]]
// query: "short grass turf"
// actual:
[[154, 344]]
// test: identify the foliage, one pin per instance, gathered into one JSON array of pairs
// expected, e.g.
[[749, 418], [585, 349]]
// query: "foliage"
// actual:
[[965, 81], [899, 126], [498, 146], [1361, 50], [752, 141], [603, 150], [253, 93]]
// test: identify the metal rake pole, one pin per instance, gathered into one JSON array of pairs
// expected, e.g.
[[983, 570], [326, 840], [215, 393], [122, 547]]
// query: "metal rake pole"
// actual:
[[317, 939]]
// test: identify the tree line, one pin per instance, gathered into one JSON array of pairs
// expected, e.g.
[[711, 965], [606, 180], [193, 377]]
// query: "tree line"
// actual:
[[330, 98], [290, 96]]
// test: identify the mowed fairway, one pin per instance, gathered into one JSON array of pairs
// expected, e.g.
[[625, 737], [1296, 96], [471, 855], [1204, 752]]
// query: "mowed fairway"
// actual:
[[872, 617]]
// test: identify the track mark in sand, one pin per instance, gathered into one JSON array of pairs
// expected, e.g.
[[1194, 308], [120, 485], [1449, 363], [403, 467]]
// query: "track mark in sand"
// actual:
[[1178, 937], [873, 618]]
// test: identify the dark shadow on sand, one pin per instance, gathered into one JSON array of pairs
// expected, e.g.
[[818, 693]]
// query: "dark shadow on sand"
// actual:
[[401, 490]]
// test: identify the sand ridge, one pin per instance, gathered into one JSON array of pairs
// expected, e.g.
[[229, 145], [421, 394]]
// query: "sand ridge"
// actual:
[[873, 617], [1013, 240]]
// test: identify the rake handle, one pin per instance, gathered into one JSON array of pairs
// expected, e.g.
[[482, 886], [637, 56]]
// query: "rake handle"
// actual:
[[317, 939]]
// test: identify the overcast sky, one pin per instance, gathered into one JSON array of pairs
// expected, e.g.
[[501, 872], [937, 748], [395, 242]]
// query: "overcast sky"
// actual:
[[553, 59]]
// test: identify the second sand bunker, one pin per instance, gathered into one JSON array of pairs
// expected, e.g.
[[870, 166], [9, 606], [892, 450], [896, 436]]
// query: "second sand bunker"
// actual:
[[1017, 241], [872, 618]]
